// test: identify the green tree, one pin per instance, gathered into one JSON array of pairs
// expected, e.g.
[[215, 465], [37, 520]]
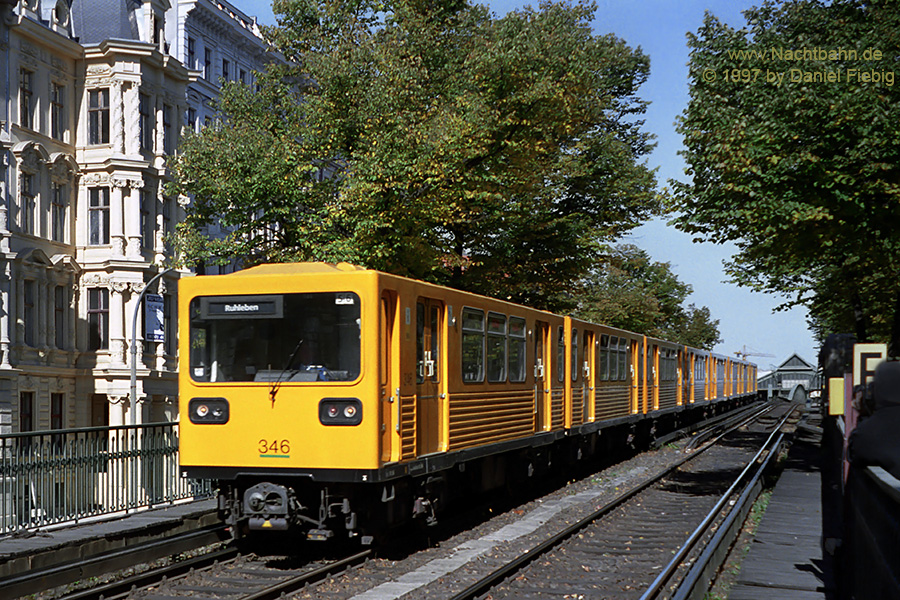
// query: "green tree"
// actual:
[[632, 292], [796, 160], [491, 154]]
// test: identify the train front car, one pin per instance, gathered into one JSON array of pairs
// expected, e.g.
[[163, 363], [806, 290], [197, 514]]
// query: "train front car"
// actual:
[[277, 403]]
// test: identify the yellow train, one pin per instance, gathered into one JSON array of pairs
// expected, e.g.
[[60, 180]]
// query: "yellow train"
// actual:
[[332, 399]]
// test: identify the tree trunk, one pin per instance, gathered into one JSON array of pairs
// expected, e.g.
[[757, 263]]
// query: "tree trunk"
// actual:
[[859, 319]]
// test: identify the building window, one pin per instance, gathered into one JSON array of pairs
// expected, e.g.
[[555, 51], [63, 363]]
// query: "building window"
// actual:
[[147, 241], [57, 111], [26, 411], [98, 319], [168, 228], [226, 69], [157, 23], [192, 119], [58, 206], [145, 118], [98, 116], [168, 132], [244, 77], [99, 216], [29, 314], [26, 216], [26, 98], [207, 63], [191, 53], [60, 309], [57, 411]]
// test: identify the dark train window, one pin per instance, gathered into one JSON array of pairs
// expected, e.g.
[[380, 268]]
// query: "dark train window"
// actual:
[[574, 349], [604, 358], [614, 358], [420, 342], [275, 338], [496, 347], [516, 349], [623, 359], [472, 345], [428, 342], [560, 355]]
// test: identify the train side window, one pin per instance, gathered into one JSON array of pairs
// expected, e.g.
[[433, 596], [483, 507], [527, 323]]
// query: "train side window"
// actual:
[[420, 342], [623, 359], [472, 345], [496, 347], [604, 357], [560, 355], [435, 341], [574, 350], [614, 358], [517, 349]]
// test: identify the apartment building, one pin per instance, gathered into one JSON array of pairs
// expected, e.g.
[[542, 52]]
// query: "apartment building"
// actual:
[[97, 94]]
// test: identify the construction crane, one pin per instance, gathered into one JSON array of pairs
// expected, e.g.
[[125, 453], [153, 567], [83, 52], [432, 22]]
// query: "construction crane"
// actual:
[[744, 352]]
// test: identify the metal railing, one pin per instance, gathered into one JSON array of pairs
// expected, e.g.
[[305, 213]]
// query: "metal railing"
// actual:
[[870, 563], [68, 475]]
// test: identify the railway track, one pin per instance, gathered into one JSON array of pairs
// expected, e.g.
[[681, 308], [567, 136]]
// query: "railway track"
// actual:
[[41, 579], [630, 544], [665, 538]]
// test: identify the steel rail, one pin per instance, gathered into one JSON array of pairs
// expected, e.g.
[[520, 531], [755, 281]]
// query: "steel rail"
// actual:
[[666, 573], [704, 568], [295, 583], [700, 438], [481, 586], [38, 580], [123, 587]]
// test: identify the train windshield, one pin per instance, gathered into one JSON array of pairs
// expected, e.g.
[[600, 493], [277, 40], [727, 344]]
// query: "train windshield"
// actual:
[[275, 338]]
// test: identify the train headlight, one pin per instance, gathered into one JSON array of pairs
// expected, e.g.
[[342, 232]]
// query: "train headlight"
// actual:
[[340, 411], [208, 410]]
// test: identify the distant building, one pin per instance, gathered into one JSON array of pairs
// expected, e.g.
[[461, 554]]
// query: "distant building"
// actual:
[[97, 94], [794, 371]]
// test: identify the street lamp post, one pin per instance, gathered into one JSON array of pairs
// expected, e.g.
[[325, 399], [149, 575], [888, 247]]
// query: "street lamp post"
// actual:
[[134, 318]]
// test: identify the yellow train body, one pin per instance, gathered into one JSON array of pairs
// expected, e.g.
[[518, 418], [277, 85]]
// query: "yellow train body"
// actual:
[[304, 380]]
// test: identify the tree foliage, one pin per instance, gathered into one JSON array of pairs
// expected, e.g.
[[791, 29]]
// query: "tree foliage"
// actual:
[[490, 154], [632, 292], [802, 173]]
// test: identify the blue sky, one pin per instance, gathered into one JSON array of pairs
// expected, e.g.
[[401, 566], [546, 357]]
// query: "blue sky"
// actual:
[[659, 28]]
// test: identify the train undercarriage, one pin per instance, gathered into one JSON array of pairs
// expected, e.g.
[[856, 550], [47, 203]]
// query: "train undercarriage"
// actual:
[[315, 510]]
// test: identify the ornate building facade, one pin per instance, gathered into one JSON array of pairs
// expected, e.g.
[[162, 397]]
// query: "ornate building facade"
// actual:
[[97, 93]]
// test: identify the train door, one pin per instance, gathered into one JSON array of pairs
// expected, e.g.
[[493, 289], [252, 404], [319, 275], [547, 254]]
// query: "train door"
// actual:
[[633, 369], [642, 382], [653, 376], [541, 374], [389, 391], [589, 356], [429, 321]]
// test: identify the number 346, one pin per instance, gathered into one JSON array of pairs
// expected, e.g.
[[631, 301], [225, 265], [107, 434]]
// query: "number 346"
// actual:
[[274, 447]]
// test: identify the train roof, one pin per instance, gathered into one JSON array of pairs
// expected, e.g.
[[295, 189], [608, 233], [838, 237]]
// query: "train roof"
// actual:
[[297, 268]]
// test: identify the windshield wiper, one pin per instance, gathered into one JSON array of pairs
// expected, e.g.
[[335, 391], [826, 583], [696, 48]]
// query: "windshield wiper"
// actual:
[[277, 384]]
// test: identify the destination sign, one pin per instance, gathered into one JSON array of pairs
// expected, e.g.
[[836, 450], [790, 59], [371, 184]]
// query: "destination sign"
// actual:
[[242, 307]]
